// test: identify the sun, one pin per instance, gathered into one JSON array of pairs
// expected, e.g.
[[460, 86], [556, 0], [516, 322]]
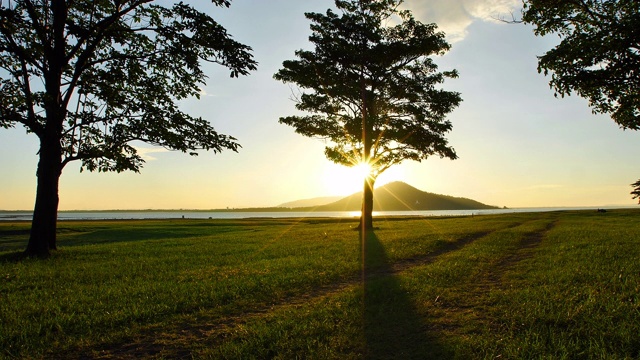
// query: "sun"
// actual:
[[340, 180], [361, 171]]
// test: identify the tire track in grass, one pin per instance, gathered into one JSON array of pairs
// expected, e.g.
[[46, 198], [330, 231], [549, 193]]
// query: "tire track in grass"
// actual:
[[402, 265], [525, 250], [175, 341], [457, 314]]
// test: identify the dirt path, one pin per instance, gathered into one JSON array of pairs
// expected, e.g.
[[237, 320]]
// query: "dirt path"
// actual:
[[470, 305], [524, 251]]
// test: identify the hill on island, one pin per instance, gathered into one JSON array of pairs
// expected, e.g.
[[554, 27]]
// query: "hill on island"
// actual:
[[311, 202], [399, 196]]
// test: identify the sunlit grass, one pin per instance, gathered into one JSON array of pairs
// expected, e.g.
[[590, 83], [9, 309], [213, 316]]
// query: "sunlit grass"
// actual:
[[469, 287]]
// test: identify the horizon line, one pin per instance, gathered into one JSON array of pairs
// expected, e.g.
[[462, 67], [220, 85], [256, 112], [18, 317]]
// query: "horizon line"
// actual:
[[310, 207]]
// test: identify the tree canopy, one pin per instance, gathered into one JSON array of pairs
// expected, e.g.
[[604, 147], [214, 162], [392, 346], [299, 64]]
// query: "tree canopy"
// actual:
[[370, 86], [599, 54], [117, 68], [89, 77], [636, 190]]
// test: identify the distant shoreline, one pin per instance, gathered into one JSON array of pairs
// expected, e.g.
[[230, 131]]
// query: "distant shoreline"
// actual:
[[266, 209], [275, 213], [315, 209]]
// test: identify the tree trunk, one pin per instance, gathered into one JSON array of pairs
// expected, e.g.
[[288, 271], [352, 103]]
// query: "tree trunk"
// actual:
[[366, 218], [45, 213]]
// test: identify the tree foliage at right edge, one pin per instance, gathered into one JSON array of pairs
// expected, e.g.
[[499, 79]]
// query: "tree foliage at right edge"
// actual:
[[598, 57], [371, 88]]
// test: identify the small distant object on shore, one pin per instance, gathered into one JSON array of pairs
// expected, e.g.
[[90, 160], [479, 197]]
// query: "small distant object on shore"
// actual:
[[602, 210]]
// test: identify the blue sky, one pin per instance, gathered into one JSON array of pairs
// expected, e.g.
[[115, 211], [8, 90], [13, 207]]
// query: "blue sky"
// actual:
[[518, 145]]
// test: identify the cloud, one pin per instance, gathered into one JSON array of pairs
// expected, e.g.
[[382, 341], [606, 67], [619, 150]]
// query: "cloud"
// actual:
[[203, 93], [454, 16], [145, 153]]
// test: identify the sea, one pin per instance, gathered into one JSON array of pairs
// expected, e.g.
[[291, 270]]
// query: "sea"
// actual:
[[198, 214]]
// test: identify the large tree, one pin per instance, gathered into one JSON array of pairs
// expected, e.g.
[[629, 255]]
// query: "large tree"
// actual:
[[89, 77], [599, 54], [369, 88]]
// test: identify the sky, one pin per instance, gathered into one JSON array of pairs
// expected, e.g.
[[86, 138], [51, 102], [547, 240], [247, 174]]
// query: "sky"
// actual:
[[518, 145]]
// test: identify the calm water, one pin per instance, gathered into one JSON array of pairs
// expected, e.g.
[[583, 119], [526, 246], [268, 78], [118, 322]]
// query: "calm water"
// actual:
[[117, 215]]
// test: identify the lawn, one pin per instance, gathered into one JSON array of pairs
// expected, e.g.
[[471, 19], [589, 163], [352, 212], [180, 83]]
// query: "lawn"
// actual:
[[515, 286]]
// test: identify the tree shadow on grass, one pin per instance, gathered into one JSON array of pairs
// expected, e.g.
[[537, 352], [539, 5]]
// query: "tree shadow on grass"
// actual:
[[13, 257], [393, 329]]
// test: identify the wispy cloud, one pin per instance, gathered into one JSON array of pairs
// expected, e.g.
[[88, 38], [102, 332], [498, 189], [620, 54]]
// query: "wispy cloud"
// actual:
[[454, 16], [204, 93], [145, 153]]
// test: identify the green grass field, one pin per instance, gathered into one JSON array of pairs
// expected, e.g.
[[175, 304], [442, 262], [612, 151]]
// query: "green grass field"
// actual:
[[557, 285]]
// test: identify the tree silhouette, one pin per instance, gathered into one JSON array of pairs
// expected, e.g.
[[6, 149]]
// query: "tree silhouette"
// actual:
[[88, 77], [371, 88], [598, 57], [636, 190]]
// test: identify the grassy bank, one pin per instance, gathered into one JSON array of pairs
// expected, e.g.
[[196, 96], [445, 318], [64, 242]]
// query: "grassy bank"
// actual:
[[538, 285]]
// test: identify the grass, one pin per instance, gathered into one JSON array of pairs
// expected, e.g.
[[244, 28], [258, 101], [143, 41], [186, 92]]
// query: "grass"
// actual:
[[540, 285]]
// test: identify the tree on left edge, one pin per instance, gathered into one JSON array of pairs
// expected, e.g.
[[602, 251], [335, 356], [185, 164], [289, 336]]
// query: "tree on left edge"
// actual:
[[89, 77]]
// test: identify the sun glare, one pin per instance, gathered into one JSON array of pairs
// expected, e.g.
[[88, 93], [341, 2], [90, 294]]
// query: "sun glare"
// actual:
[[341, 180], [361, 171]]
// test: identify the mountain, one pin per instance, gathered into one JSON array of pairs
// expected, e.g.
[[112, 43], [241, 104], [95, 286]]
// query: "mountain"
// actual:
[[399, 196], [311, 202]]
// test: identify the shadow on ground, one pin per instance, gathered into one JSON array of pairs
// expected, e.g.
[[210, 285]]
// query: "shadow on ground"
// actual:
[[393, 329]]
